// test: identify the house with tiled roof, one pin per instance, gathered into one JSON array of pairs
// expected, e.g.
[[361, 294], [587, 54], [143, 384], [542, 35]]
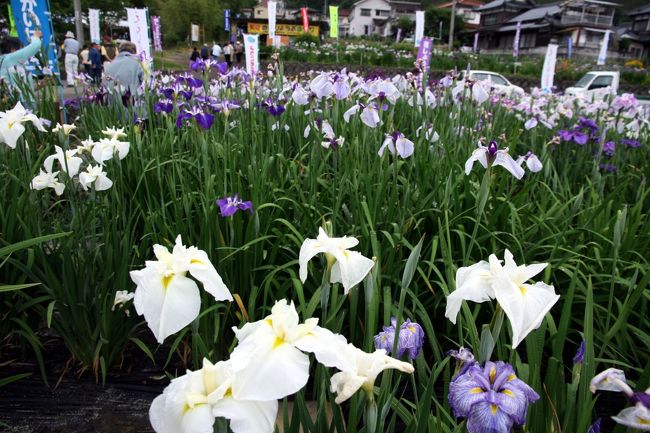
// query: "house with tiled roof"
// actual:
[[640, 31], [466, 10], [583, 21], [379, 17]]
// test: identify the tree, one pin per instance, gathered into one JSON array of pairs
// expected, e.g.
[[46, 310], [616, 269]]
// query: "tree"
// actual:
[[432, 18], [405, 23]]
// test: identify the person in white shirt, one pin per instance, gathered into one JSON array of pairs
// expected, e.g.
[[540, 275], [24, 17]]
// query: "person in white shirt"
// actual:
[[216, 51], [71, 48], [227, 53]]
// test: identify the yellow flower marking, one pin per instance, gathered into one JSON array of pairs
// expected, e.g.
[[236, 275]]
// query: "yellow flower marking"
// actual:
[[196, 262], [493, 374], [494, 408], [522, 289], [642, 421], [511, 377], [166, 280], [508, 393], [476, 390]]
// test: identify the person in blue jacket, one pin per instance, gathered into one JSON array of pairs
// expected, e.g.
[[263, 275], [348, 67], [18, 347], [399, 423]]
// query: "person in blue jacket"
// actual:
[[95, 58], [13, 57]]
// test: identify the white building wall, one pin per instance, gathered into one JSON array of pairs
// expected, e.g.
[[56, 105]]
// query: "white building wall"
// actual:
[[358, 22]]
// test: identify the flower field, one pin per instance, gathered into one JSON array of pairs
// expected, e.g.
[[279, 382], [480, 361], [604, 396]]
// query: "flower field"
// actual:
[[408, 256]]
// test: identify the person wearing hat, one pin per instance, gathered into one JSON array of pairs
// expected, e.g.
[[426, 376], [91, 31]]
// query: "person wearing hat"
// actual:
[[71, 48]]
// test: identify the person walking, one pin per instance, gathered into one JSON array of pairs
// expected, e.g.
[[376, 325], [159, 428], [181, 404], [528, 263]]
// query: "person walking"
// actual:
[[195, 55], [125, 72], [71, 48], [108, 51], [216, 51], [227, 53], [95, 58], [239, 50], [205, 52], [85, 61]]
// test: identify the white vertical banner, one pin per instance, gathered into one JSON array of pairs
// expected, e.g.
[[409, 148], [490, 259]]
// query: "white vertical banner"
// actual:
[[195, 32], [602, 56], [515, 43], [419, 27], [548, 71], [272, 8], [93, 22], [139, 30], [252, 49]]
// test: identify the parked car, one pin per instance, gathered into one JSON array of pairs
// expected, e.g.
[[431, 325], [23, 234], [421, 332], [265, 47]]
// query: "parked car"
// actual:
[[595, 84], [497, 81]]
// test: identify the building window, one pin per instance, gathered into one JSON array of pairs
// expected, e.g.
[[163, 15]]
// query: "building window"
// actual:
[[640, 25], [381, 13], [365, 30], [490, 19], [527, 40], [365, 12]]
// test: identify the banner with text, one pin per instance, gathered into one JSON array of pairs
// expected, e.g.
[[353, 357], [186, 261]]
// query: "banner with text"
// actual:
[[515, 44], [252, 49], [305, 19], [139, 30], [602, 56], [226, 20], [334, 21], [155, 31], [32, 15], [424, 53], [93, 21], [280, 29], [194, 28], [548, 71], [419, 27], [272, 6]]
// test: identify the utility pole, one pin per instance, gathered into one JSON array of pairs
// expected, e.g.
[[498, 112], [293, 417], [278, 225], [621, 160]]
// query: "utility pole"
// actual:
[[79, 28], [451, 25]]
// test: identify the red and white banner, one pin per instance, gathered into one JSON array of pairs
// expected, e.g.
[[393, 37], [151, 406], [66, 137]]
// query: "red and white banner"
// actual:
[[252, 49], [305, 20]]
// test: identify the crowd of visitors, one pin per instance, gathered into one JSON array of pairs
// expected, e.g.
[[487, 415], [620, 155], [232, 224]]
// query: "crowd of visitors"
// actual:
[[228, 53]]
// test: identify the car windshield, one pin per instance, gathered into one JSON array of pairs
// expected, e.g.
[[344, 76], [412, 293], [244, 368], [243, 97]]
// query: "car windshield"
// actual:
[[478, 77], [497, 79], [584, 81]]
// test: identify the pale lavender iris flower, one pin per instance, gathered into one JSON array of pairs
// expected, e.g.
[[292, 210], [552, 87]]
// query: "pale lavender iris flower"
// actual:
[[491, 398], [410, 338]]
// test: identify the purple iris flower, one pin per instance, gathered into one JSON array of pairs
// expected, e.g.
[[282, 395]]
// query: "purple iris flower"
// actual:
[[588, 123], [410, 339], [274, 108], [230, 205], [204, 120], [168, 92], [491, 398], [630, 143], [579, 357], [197, 65], [72, 103], [641, 397], [222, 67], [163, 106], [595, 427], [574, 135], [464, 360], [608, 148], [182, 117], [492, 149]]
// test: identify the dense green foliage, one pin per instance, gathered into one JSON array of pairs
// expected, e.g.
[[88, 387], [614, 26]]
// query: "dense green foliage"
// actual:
[[591, 226]]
